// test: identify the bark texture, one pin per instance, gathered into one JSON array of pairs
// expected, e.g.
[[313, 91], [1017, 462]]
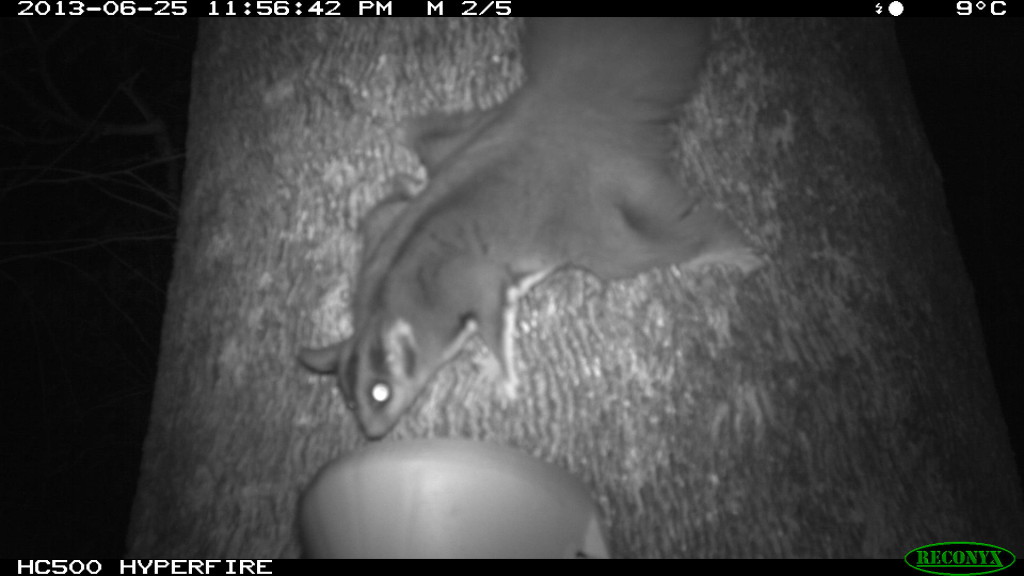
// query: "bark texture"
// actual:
[[835, 402]]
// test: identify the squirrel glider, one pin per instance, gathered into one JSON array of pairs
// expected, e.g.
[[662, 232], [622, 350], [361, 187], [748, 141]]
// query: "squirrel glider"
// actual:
[[573, 170]]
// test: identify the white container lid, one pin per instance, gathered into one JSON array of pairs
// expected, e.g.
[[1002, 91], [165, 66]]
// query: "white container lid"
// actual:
[[445, 498]]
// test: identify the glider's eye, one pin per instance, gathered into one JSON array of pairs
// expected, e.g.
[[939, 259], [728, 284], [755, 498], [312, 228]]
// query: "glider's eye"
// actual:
[[381, 392]]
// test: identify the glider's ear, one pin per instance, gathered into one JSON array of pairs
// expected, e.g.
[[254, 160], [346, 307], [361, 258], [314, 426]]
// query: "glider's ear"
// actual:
[[322, 360]]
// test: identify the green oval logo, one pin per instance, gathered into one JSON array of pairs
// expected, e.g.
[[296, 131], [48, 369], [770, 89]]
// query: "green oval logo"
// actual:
[[959, 558]]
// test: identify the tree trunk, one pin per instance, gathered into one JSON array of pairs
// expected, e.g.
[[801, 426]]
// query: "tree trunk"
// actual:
[[835, 402]]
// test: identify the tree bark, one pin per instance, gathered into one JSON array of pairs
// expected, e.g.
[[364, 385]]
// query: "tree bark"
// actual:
[[835, 402]]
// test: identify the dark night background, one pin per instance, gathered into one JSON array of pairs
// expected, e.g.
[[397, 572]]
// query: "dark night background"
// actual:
[[91, 153]]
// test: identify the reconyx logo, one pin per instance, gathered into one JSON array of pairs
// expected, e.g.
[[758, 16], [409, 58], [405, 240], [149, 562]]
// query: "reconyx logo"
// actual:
[[959, 558]]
